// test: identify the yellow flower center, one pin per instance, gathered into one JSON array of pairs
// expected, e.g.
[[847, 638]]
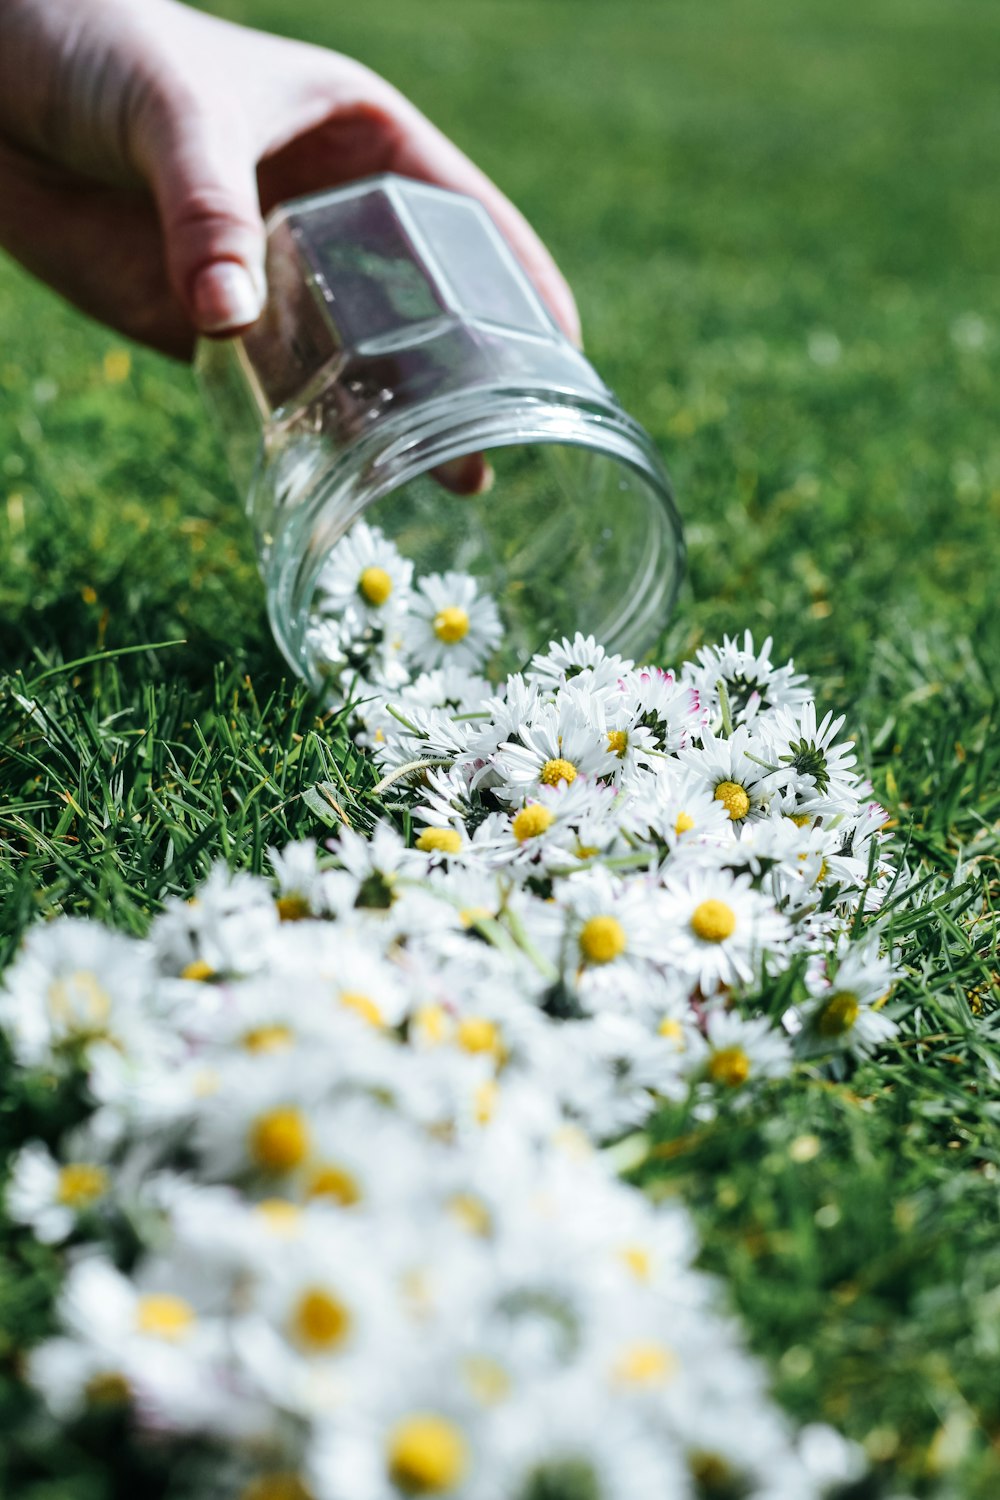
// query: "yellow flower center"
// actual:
[[557, 770], [487, 1380], [163, 1316], [485, 1101], [531, 821], [572, 1140], [602, 939], [80, 1000], [427, 1455], [730, 1066], [375, 586], [278, 1486], [684, 823], [267, 1038], [617, 743], [363, 1005], [733, 798], [470, 915], [801, 820], [451, 624], [645, 1363], [320, 1320], [416, 1287], [280, 1217], [329, 1180], [477, 1034], [279, 1140], [838, 1014], [432, 1023], [470, 1213], [198, 970], [637, 1259], [671, 1029], [292, 908], [440, 841], [205, 1083], [80, 1183], [713, 921]]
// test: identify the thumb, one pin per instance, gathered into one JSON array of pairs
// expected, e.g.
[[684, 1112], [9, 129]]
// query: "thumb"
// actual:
[[203, 177]]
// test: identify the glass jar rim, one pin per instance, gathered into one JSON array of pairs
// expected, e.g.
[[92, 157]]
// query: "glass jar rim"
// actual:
[[441, 429]]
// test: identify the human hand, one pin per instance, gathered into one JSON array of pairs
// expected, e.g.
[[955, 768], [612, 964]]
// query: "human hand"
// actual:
[[140, 145]]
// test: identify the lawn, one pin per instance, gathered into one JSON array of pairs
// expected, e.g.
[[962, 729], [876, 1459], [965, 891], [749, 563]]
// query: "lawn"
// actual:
[[781, 222]]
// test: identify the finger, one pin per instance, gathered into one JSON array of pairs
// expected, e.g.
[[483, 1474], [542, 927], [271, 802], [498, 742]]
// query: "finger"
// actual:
[[471, 475], [203, 178]]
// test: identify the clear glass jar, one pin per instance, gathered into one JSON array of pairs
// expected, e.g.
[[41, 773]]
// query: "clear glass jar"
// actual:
[[401, 334]]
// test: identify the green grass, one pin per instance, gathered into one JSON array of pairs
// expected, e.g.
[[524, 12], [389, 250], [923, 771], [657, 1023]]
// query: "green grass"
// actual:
[[781, 221]]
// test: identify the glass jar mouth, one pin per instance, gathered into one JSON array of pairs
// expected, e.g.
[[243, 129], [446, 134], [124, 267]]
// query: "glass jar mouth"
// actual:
[[335, 490]]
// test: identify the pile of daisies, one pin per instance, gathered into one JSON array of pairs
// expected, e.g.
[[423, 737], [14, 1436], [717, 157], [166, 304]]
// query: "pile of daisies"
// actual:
[[340, 1211]]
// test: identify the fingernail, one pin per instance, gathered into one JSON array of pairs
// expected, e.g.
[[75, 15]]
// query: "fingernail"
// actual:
[[225, 297]]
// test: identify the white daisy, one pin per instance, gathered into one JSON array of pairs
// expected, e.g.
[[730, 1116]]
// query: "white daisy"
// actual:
[[754, 686], [503, 715], [317, 1316], [374, 863], [743, 1050], [449, 690], [50, 1196], [607, 931], [574, 1437], [367, 574], [813, 767], [363, 983], [356, 656], [449, 802], [732, 770], [716, 928], [299, 879], [581, 660], [427, 1446], [449, 687], [224, 930], [256, 1119], [844, 1013], [560, 743], [450, 620], [679, 808], [154, 1340], [75, 985], [432, 739], [548, 823], [670, 710], [859, 861]]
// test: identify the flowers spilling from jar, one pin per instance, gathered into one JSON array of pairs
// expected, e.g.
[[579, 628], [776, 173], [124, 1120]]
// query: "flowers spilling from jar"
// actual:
[[336, 1202]]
